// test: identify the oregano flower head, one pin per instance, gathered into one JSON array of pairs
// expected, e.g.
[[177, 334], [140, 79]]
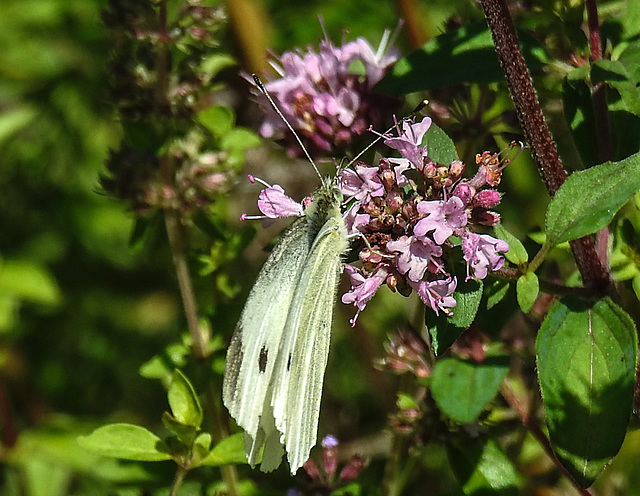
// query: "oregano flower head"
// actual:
[[327, 96]]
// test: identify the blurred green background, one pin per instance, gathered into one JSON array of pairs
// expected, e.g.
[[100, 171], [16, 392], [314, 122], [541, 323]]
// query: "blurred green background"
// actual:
[[80, 308]]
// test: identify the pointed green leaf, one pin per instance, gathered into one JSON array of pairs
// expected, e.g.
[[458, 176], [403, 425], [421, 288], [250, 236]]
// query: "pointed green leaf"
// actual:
[[239, 139], [589, 199], [527, 289], [517, 253], [183, 401], [586, 357], [440, 147], [445, 330], [228, 451], [482, 468], [462, 389], [127, 442]]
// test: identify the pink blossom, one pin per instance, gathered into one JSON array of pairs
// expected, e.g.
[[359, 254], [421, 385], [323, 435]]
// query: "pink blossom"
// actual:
[[481, 253], [437, 294], [324, 99], [416, 256], [362, 288], [443, 217], [409, 142], [361, 183], [273, 203], [354, 221]]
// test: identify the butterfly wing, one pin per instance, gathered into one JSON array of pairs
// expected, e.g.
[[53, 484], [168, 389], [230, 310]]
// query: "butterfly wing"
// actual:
[[302, 360], [255, 344]]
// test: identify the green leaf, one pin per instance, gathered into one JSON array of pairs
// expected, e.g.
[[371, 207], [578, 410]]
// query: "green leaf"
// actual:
[[183, 401], [527, 289], [213, 64], [517, 253], [462, 389], [201, 447], [614, 73], [482, 469], [630, 19], [445, 330], [586, 360], [495, 291], [440, 147], [185, 433], [239, 139], [468, 55], [589, 199], [43, 478], [635, 284], [218, 120], [228, 451], [127, 442], [28, 281], [406, 402]]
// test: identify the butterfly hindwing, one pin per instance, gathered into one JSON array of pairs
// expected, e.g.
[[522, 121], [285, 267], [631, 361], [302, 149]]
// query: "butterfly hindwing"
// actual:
[[255, 344]]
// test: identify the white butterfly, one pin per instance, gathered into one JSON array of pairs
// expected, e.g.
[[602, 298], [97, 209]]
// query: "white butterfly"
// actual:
[[278, 353]]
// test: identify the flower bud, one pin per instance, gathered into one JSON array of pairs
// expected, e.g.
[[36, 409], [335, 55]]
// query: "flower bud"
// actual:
[[487, 198]]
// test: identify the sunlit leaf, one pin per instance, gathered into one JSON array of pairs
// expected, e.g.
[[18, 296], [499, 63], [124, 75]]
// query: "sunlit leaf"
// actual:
[[127, 442], [227, 451], [517, 253], [445, 330], [183, 401], [589, 199]]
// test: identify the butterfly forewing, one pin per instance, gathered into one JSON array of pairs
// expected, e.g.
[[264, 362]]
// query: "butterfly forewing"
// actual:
[[310, 321]]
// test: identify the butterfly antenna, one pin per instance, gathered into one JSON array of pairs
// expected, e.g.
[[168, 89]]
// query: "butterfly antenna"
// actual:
[[281, 115], [418, 108]]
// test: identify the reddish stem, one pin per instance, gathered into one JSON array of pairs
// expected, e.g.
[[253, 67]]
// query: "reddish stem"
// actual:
[[594, 272], [532, 426], [599, 93]]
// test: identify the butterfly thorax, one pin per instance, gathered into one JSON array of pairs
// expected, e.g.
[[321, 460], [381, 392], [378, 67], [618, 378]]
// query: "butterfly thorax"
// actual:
[[325, 204]]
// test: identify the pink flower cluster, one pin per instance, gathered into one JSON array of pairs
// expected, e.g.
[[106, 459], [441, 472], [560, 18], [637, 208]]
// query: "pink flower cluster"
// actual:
[[325, 98], [412, 214]]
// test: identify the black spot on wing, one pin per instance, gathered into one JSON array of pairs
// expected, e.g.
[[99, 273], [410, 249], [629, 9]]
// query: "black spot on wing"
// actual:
[[262, 360], [289, 363]]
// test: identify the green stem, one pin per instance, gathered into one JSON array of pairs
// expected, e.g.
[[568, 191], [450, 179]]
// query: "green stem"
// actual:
[[391, 481], [178, 480], [538, 258], [175, 232]]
